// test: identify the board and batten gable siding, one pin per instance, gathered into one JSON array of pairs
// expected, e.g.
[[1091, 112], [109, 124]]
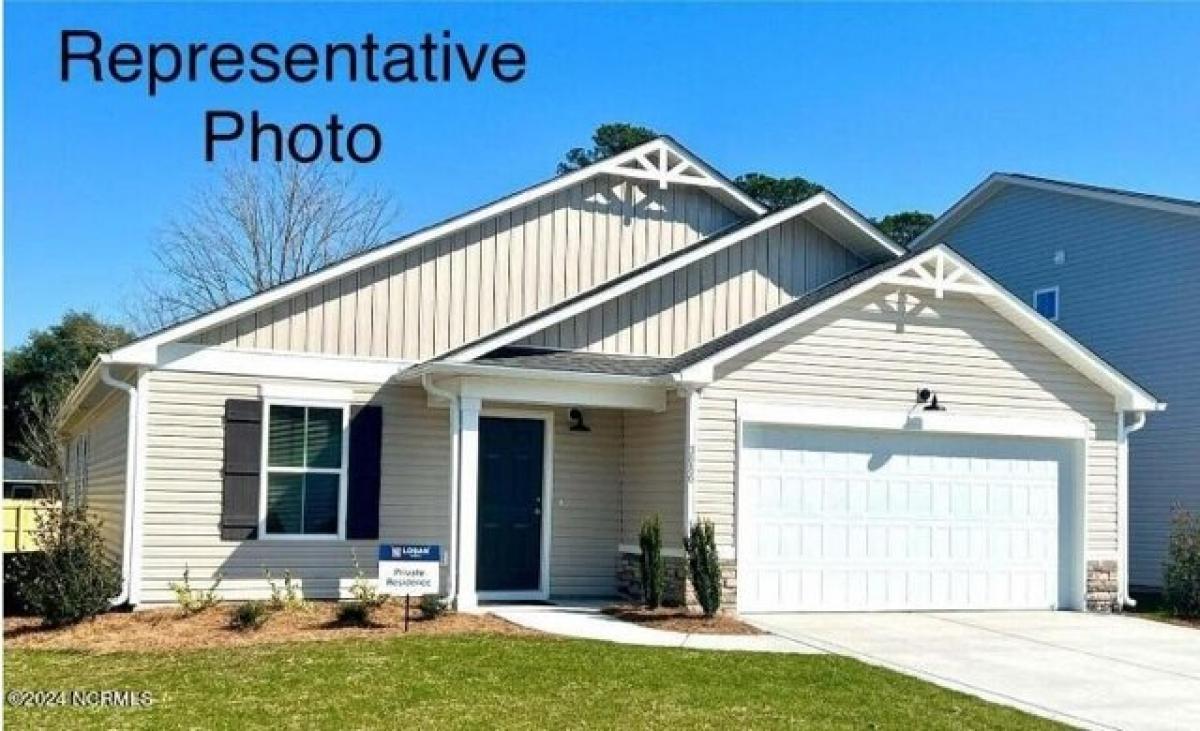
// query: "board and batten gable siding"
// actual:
[[447, 292], [1128, 292], [183, 485], [654, 472], [707, 298], [106, 430], [873, 352]]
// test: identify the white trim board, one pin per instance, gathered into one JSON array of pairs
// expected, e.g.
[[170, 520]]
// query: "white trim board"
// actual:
[[820, 202], [142, 351], [909, 420], [1129, 396], [190, 358]]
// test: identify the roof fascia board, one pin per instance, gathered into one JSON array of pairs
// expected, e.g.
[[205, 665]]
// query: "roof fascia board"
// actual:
[[862, 224], [604, 294], [447, 368], [1129, 396], [969, 202], [142, 351]]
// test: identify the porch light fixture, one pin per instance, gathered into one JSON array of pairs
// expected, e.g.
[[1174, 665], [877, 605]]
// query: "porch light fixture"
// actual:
[[576, 417], [930, 399]]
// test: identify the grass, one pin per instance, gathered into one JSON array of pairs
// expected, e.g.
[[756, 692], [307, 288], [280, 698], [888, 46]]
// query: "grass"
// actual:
[[1152, 605], [485, 681]]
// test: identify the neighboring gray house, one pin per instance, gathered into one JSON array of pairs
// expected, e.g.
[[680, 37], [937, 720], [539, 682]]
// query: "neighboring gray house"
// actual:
[[1120, 271], [525, 383]]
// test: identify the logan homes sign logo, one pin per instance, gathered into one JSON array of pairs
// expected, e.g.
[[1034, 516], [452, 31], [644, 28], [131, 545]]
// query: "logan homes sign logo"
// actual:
[[409, 570]]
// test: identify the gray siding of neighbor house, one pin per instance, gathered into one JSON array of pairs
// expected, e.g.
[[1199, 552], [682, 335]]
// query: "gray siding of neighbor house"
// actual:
[[706, 299], [1128, 291], [469, 283], [106, 431]]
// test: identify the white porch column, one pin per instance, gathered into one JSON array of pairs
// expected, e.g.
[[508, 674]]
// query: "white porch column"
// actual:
[[468, 500]]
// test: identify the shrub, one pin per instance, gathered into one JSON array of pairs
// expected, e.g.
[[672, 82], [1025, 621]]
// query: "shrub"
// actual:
[[70, 578], [432, 606], [653, 573], [192, 600], [249, 615], [704, 565], [286, 597], [365, 598], [1181, 583]]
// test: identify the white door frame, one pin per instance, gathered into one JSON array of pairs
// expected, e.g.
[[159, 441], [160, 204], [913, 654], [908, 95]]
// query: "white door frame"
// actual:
[[1073, 431], [547, 419]]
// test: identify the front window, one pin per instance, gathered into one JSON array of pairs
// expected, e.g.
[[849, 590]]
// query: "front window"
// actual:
[[306, 470], [1045, 301]]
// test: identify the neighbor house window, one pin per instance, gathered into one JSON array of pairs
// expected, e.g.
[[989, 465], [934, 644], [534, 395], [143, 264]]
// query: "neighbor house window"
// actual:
[[305, 475], [1045, 301]]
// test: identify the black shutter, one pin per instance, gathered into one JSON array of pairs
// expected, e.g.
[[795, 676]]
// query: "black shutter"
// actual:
[[362, 504], [242, 469]]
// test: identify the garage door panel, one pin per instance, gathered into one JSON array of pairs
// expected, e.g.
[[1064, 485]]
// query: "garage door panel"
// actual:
[[865, 520]]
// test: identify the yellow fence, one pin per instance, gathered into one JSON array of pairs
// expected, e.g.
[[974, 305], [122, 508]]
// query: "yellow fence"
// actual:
[[21, 519]]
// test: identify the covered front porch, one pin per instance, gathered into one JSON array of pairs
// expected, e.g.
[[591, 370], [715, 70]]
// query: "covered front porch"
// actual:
[[553, 473]]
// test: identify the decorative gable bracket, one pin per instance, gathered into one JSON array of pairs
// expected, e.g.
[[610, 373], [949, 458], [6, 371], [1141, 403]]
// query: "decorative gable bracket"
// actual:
[[659, 163], [940, 273]]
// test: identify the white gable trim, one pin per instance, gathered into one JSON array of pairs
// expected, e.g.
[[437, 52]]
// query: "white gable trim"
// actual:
[[142, 351], [820, 202], [1129, 396], [996, 182]]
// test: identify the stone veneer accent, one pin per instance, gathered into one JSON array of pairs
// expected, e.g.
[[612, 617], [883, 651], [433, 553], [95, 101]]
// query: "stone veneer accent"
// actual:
[[1102, 587], [678, 589]]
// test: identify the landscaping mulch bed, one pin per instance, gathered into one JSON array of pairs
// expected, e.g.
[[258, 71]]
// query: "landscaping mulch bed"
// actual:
[[679, 619], [169, 629]]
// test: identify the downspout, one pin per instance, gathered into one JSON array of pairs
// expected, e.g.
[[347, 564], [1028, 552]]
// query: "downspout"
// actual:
[[452, 576], [1123, 504], [131, 440]]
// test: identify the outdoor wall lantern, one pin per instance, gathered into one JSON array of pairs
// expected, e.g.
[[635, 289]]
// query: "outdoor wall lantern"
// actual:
[[929, 398], [576, 417]]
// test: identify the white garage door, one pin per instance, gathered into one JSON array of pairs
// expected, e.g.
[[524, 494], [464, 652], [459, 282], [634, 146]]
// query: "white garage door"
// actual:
[[862, 520]]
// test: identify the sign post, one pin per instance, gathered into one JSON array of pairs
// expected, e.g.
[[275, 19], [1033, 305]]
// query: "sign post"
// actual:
[[407, 569]]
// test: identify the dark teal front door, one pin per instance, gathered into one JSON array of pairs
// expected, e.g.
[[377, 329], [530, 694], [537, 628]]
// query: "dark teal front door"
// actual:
[[510, 504]]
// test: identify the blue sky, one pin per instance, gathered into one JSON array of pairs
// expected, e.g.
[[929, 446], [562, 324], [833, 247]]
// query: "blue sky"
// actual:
[[894, 107]]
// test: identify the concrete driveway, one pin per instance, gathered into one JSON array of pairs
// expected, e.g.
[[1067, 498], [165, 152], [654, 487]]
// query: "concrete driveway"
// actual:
[[1088, 670]]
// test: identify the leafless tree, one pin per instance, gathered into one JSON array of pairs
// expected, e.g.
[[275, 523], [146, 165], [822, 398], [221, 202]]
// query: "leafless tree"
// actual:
[[41, 441], [259, 225]]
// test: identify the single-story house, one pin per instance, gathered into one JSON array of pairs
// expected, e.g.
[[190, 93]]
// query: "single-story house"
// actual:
[[1117, 270], [868, 428]]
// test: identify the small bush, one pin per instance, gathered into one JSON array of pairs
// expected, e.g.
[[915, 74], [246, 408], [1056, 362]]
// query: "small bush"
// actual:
[[287, 597], [1181, 585], [653, 573], [704, 566], [432, 606], [249, 615], [192, 600], [365, 598], [70, 579]]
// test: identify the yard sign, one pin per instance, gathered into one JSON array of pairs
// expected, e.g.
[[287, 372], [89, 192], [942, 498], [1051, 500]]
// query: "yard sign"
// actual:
[[409, 570]]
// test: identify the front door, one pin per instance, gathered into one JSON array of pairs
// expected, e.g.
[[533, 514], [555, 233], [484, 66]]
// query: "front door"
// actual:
[[510, 504]]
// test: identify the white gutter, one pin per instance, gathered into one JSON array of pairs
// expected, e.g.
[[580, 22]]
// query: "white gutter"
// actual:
[[131, 441], [1123, 503], [452, 576]]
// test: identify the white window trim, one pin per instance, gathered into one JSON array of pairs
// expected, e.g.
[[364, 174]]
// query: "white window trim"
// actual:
[[265, 469], [1057, 301]]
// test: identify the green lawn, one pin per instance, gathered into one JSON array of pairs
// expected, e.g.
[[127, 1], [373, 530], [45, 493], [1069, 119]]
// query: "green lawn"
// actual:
[[488, 681]]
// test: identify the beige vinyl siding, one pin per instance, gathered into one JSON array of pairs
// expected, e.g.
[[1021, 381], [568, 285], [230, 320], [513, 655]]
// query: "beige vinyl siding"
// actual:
[[875, 351], [106, 431], [586, 505], [183, 491], [654, 472], [453, 290], [707, 298]]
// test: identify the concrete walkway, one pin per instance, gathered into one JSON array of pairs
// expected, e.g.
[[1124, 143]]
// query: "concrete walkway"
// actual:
[[1088, 670], [586, 621]]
